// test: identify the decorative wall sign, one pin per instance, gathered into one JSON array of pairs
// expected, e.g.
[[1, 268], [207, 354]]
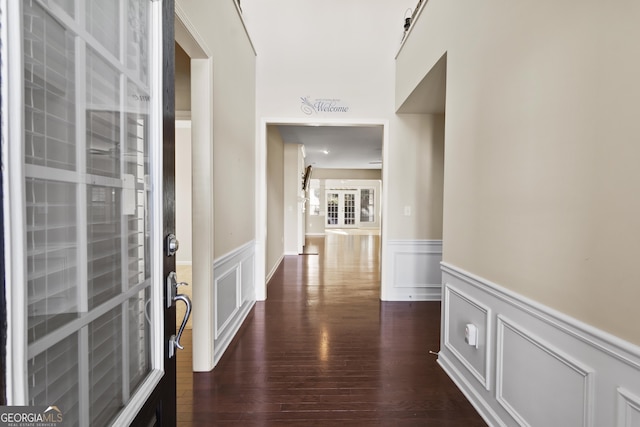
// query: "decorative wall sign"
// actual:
[[322, 105]]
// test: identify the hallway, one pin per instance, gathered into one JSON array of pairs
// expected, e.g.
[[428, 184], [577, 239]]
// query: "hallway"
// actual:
[[323, 350]]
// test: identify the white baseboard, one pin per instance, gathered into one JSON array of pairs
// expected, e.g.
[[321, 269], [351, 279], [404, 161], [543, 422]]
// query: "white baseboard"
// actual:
[[222, 344], [413, 273], [273, 270], [533, 365], [469, 391]]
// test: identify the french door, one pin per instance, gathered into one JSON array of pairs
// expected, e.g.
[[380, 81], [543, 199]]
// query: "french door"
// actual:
[[342, 208], [88, 145]]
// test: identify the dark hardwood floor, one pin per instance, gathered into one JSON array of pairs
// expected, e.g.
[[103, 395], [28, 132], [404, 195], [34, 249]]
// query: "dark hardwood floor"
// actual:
[[324, 351]]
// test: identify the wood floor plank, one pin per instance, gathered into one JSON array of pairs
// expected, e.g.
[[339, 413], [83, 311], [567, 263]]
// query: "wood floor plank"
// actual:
[[324, 350]]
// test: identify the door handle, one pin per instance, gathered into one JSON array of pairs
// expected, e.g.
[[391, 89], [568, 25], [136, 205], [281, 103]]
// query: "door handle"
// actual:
[[185, 299], [172, 297]]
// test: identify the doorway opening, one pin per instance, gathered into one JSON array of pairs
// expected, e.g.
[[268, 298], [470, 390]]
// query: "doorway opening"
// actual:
[[307, 205]]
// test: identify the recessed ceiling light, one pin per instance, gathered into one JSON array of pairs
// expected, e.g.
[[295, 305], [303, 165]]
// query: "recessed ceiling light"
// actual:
[[325, 151]]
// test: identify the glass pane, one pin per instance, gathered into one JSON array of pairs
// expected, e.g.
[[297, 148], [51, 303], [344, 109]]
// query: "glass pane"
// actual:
[[49, 90], [314, 201], [105, 367], [103, 143], [103, 83], [67, 5], [51, 256], [136, 166], [104, 269], [103, 117], [137, 133], [139, 339], [137, 49], [53, 379], [88, 229], [367, 205], [332, 208], [138, 261], [103, 23], [349, 209]]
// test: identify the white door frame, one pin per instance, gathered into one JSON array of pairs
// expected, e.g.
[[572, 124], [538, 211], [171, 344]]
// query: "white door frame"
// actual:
[[261, 188], [202, 183]]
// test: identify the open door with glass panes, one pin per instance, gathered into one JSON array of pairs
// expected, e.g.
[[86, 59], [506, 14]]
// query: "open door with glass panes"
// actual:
[[88, 170], [342, 207]]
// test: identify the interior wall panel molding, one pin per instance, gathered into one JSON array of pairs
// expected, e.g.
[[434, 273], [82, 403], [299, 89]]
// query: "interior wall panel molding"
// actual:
[[458, 347], [233, 278], [414, 271], [537, 358]]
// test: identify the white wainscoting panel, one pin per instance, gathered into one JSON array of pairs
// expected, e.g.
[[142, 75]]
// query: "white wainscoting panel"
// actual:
[[543, 368], [247, 277], [546, 369], [466, 310], [233, 278], [628, 409], [226, 295], [414, 271]]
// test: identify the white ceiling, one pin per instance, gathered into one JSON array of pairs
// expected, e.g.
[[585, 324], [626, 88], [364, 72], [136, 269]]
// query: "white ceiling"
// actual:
[[337, 147]]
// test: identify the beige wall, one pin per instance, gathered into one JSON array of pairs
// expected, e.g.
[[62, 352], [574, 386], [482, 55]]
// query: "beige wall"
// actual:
[[233, 121], [416, 177], [541, 150], [275, 198], [183, 190], [292, 181], [182, 81]]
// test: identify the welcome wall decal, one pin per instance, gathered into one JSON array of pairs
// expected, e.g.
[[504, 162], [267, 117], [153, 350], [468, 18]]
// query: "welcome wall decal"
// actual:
[[322, 105]]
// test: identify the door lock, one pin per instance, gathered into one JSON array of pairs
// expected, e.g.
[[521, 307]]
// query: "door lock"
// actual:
[[172, 245]]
